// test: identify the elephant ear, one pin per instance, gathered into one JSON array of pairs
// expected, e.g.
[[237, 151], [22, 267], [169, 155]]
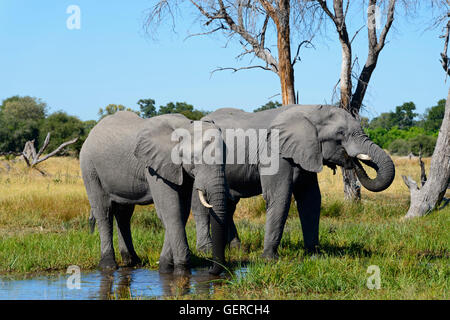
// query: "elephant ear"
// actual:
[[298, 139], [154, 146]]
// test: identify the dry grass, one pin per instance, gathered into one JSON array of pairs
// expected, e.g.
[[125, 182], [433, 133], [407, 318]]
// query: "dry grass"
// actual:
[[30, 202], [43, 226]]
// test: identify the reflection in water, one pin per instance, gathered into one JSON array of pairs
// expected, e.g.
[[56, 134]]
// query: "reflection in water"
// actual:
[[124, 283]]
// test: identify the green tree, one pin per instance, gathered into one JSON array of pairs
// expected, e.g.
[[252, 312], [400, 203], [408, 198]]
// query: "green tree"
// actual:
[[364, 123], [386, 121], [399, 147], [432, 119], [62, 128], [184, 108], [422, 144], [110, 109], [269, 105], [403, 118], [20, 118], [404, 115], [147, 107]]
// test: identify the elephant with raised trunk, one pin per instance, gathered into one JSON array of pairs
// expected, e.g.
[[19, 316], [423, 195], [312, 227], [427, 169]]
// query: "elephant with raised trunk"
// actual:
[[128, 161], [309, 137]]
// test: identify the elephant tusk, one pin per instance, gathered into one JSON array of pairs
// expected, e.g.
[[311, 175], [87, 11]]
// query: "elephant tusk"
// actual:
[[202, 199], [362, 156]]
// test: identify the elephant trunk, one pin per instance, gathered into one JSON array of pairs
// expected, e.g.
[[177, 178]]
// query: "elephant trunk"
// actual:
[[219, 223], [380, 161]]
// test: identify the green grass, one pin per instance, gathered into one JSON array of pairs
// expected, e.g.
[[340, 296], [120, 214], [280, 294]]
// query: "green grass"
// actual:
[[43, 227], [413, 258]]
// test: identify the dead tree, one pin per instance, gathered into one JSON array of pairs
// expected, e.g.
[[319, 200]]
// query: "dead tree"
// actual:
[[352, 100], [427, 198], [423, 174], [33, 158], [251, 21]]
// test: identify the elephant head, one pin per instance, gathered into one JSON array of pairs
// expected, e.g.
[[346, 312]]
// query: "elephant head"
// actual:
[[317, 134], [178, 149]]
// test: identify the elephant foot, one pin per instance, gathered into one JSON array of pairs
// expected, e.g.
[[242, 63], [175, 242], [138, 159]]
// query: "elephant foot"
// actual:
[[270, 254], [130, 260], [165, 266], [216, 270], [108, 263], [313, 251], [235, 243], [181, 270], [205, 248]]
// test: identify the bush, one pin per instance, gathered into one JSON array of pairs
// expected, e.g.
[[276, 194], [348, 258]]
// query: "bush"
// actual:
[[62, 128], [399, 147], [419, 144], [424, 144]]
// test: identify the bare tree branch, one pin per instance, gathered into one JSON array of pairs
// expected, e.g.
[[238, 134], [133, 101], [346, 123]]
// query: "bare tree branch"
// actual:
[[444, 56], [56, 151], [222, 27], [297, 57], [250, 20], [239, 69], [263, 31], [258, 49], [356, 33], [32, 158], [44, 146], [375, 47]]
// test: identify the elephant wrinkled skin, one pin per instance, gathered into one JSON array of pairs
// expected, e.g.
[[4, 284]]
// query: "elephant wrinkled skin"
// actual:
[[309, 136], [127, 161]]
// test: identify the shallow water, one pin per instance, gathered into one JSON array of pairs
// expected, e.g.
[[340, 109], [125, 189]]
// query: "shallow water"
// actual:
[[121, 284]]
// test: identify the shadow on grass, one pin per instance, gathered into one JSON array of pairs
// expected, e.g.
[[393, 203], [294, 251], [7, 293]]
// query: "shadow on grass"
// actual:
[[202, 261], [326, 249], [433, 255], [352, 250]]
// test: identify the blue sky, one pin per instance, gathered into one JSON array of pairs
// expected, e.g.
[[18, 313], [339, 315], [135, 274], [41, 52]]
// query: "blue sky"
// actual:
[[112, 60]]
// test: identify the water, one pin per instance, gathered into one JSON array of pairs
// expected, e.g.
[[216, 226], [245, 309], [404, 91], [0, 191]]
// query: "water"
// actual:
[[123, 283]]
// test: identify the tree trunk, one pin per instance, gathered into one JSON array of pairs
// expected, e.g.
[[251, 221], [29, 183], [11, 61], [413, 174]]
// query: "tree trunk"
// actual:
[[346, 75], [361, 87], [352, 187], [285, 68], [426, 199]]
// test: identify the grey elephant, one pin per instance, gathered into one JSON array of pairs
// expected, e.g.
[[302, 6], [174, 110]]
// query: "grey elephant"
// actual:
[[128, 161], [309, 137]]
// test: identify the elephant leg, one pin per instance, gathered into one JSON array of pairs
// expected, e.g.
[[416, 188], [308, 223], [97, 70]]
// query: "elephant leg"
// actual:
[[105, 228], [277, 192], [173, 204], [123, 215], [166, 256], [233, 237], [101, 211], [201, 217], [308, 198]]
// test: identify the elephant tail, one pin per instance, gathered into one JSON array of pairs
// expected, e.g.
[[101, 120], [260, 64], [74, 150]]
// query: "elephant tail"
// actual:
[[91, 222]]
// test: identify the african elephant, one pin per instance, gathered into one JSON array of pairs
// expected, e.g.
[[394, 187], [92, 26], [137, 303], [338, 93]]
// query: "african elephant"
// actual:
[[128, 161], [309, 136]]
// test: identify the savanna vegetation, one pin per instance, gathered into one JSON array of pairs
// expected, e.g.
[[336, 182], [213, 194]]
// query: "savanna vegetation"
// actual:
[[402, 131], [44, 227], [26, 118]]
